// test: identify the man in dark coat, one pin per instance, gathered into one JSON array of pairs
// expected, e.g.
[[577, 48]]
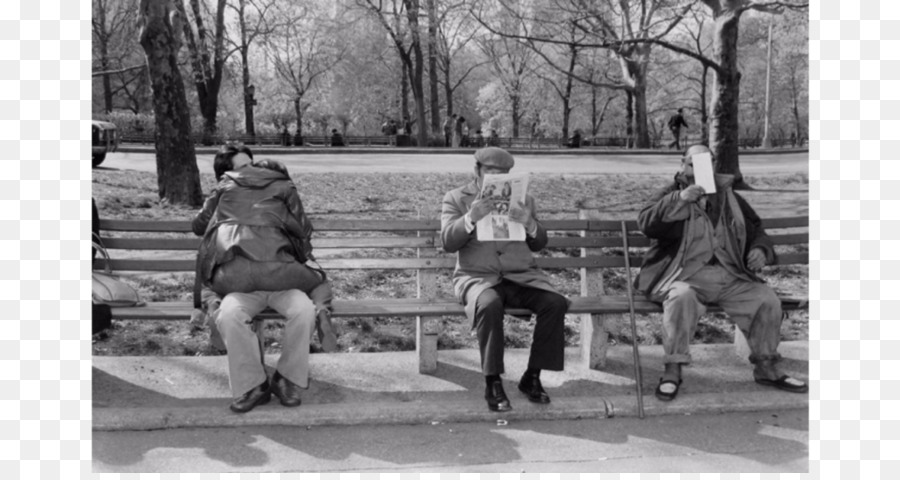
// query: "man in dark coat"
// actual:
[[675, 123], [492, 275], [707, 249]]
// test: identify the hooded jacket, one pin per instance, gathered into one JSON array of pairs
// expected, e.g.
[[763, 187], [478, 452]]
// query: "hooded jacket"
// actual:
[[668, 238], [255, 213]]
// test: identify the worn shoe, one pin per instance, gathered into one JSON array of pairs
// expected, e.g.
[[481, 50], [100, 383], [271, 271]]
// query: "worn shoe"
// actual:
[[531, 386], [786, 383], [667, 390], [286, 391], [496, 397], [259, 395]]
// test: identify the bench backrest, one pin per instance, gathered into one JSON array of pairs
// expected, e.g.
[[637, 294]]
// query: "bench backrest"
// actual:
[[416, 243]]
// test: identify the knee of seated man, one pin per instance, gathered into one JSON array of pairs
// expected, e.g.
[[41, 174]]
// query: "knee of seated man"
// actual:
[[301, 308]]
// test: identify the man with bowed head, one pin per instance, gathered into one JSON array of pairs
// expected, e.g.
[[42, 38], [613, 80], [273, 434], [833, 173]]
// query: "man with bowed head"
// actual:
[[256, 243], [707, 248], [490, 276]]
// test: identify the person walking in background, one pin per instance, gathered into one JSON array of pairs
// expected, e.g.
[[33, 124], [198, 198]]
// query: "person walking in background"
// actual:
[[494, 139], [449, 122], [457, 131], [707, 249], [337, 140], [464, 132], [491, 276], [574, 140], [478, 139], [675, 123]]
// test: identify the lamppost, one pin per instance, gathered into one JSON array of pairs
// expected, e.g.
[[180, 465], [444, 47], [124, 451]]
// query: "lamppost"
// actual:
[[249, 102]]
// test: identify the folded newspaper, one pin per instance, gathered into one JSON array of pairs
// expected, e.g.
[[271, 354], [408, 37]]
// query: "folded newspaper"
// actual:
[[507, 190]]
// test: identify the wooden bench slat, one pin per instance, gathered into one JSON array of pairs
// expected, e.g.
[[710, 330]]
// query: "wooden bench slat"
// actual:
[[145, 225], [193, 243], [414, 307]]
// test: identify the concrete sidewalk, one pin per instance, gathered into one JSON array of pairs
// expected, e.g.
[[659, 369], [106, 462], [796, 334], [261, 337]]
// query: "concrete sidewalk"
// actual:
[[145, 393]]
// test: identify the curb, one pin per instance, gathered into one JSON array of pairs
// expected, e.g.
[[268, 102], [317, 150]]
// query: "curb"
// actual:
[[406, 413]]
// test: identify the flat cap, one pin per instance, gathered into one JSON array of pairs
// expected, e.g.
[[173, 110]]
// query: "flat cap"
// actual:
[[494, 157]]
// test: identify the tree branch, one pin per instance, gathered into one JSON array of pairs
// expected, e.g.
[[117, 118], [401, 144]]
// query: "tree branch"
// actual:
[[121, 70]]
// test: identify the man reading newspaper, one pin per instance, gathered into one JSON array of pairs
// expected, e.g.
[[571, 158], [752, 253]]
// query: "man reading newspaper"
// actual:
[[493, 275]]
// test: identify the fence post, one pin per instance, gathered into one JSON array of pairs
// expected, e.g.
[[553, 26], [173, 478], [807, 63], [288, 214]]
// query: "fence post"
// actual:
[[426, 286], [594, 336]]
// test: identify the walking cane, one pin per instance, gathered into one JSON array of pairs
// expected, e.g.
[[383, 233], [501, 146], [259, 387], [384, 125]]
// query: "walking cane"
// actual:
[[634, 341]]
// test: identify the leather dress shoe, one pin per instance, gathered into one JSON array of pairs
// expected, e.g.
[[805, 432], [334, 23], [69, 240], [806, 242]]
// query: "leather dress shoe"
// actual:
[[531, 386], [259, 395], [286, 391], [496, 397]]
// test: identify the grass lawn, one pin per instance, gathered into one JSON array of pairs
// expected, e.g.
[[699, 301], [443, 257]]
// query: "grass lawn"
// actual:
[[132, 195]]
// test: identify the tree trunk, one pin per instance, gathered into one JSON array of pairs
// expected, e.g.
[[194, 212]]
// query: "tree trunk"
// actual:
[[448, 90], [298, 134], [635, 72], [595, 127], [629, 119], [245, 73], [176, 163], [567, 97], [418, 70], [432, 68], [515, 100], [104, 60], [723, 125], [704, 109], [404, 93]]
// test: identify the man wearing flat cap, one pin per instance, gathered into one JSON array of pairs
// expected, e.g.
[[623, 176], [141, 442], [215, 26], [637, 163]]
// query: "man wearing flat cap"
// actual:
[[491, 276], [707, 248]]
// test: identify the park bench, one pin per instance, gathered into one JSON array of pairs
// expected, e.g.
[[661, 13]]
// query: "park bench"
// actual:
[[588, 245]]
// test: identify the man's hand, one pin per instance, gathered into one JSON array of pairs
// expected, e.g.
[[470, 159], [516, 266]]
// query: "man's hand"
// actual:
[[756, 259], [520, 213], [481, 208], [692, 194]]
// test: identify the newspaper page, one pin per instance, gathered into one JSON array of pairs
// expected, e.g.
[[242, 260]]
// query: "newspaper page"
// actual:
[[507, 190]]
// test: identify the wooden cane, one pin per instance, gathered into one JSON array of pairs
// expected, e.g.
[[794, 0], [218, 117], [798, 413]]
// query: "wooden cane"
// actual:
[[634, 340]]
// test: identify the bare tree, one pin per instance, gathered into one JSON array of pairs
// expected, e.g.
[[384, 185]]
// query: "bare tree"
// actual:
[[113, 30], [208, 56], [401, 22], [176, 164], [456, 31], [303, 52], [623, 26], [251, 24]]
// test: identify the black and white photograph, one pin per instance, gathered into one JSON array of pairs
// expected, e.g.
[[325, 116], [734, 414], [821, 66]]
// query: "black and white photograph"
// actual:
[[310, 252]]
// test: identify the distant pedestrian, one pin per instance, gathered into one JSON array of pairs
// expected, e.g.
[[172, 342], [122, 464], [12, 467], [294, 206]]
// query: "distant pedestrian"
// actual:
[[463, 132], [285, 137], [675, 123], [575, 140], [447, 127], [478, 139], [337, 140], [494, 139]]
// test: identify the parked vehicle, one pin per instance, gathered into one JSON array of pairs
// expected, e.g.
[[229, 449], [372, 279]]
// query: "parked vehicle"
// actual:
[[103, 139]]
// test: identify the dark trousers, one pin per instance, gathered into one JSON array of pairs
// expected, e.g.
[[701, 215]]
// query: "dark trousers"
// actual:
[[548, 342], [676, 143]]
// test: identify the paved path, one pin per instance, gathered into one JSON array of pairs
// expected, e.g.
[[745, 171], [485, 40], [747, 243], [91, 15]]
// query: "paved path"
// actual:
[[758, 164], [771, 441]]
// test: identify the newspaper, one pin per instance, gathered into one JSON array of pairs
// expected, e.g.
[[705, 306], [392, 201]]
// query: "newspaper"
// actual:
[[507, 190]]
